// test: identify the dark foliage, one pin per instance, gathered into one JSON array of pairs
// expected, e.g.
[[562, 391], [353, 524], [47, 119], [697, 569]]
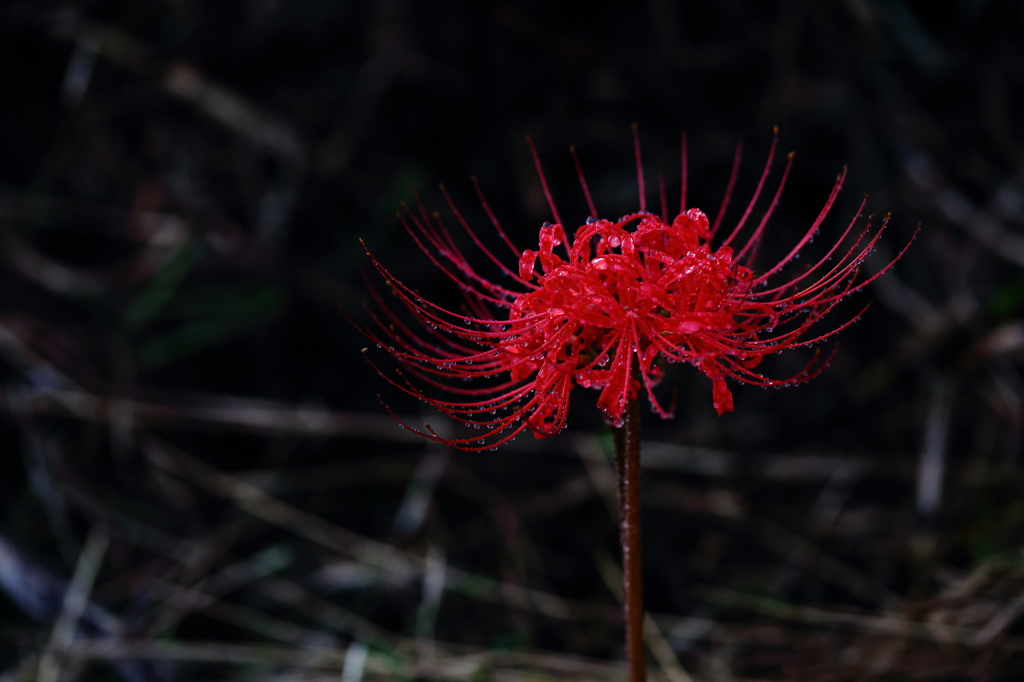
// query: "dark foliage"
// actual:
[[186, 412]]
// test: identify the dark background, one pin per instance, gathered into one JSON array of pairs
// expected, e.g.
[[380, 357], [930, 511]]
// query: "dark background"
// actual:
[[182, 190]]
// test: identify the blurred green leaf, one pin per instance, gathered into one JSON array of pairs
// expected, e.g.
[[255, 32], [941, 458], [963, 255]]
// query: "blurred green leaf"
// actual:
[[211, 300], [382, 225], [606, 439], [219, 324], [1008, 302], [983, 535], [148, 302], [401, 188], [510, 641]]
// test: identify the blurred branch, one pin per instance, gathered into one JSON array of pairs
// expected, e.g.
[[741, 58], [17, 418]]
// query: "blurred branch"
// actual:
[[932, 463], [233, 112], [76, 599], [258, 416], [885, 625], [982, 224], [513, 666], [221, 104], [46, 272], [370, 552]]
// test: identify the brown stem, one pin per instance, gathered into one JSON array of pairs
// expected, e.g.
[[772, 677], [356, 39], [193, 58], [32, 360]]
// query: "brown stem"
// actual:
[[627, 455], [619, 437]]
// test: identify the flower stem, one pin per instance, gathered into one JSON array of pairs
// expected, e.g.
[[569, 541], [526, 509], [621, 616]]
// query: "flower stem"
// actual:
[[627, 455]]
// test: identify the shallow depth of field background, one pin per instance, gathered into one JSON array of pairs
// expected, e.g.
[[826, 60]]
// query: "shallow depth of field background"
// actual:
[[188, 427]]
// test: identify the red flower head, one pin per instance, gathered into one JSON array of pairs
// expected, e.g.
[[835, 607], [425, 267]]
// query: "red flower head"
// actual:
[[628, 296]]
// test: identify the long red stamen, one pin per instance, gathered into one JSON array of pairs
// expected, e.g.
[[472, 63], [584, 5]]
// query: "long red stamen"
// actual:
[[682, 193], [639, 170], [583, 182]]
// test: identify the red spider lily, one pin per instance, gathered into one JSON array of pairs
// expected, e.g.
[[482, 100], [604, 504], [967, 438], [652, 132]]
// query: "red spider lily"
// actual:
[[629, 295]]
